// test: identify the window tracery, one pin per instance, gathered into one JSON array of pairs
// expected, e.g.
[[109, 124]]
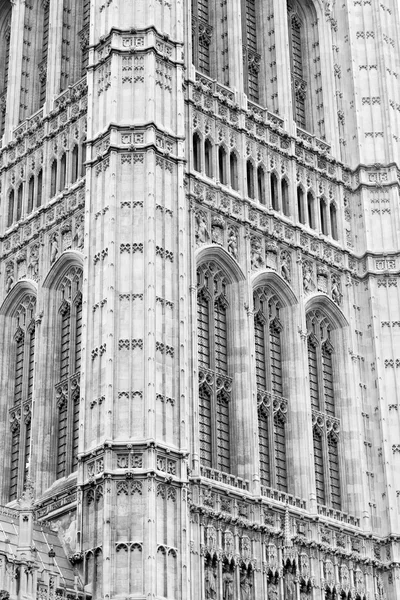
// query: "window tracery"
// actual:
[[210, 23], [67, 388], [272, 406], [215, 386], [251, 57], [307, 95], [20, 412], [326, 425]]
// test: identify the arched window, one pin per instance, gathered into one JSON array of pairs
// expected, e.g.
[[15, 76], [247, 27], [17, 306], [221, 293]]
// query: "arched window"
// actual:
[[210, 23], [274, 191], [71, 46], [233, 163], [310, 210], [272, 407], [63, 172], [39, 186], [215, 382], [326, 425], [83, 36], [333, 216], [208, 158], [21, 410], [222, 165], [20, 196], [31, 194], [300, 205], [53, 180], [285, 197], [305, 61], [10, 217], [5, 41], [322, 215], [44, 50], [74, 163], [251, 57], [83, 158], [196, 152], [250, 179], [261, 185], [67, 387]]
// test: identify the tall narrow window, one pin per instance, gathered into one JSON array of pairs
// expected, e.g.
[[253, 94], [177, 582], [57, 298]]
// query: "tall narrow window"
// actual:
[[20, 197], [208, 158], [63, 172], [215, 382], [20, 411], [53, 180], [250, 179], [274, 191], [299, 85], [196, 152], [10, 216], [233, 163], [322, 215], [300, 205], [333, 216], [31, 194], [326, 425], [285, 197], [272, 406], [45, 46], [202, 35], [310, 210], [83, 159], [5, 41], [74, 163], [39, 187], [67, 388], [251, 58], [83, 36], [261, 185], [222, 164]]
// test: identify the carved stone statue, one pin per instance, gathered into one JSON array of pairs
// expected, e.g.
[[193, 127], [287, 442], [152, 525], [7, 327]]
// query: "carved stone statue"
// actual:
[[232, 242], [202, 235], [9, 277], [227, 585], [289, 585], [246, 584], [308, 283], [286, 266], [53, 249], [256, 257], [210, 581], [33, 265], [78, 237], [336, 292]]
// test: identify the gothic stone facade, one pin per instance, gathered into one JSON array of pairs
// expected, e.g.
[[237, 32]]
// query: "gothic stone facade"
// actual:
[[199, 299]]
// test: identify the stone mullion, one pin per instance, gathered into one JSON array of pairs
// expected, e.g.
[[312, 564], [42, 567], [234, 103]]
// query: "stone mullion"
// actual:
[[252, 413], [268, 368], [70, 403]]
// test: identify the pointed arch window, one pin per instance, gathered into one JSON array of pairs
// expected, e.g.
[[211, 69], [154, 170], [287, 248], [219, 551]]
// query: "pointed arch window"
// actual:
[[274, 191], [67, 388], [300, 205], [5, 42], [196, 152], [208, 158], [326, 425], [299, 84], [10, 216], [31, 194], [202, 32], [272, 406], [261, 184], [20, 196], [251, 57], [20, 412], [209, 24], [53, 178], [333, 218], [250, 179], [39, 187], [83, 36], [233, 164], [45, 47], [215, 382]]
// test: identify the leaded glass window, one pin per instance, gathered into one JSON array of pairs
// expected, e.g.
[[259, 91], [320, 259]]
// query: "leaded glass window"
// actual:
[[21, 409], [326, 425], [272, 406], [67, 388], [215, 381]]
